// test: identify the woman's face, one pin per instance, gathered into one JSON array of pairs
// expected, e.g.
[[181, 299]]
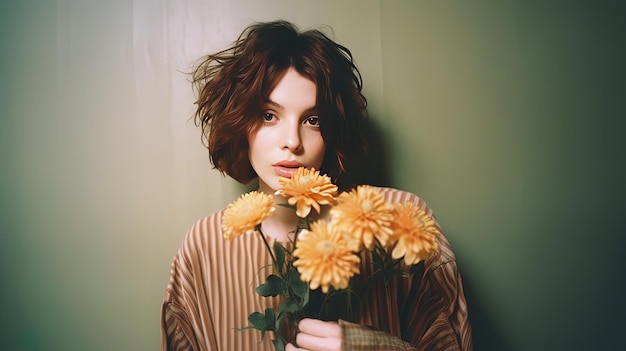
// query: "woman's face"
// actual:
[[289, 136]]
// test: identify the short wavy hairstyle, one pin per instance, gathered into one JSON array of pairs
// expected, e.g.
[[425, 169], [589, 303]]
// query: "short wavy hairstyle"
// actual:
[[232, 86]]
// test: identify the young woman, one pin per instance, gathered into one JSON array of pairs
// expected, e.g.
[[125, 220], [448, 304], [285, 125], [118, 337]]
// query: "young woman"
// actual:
[[277, 100]]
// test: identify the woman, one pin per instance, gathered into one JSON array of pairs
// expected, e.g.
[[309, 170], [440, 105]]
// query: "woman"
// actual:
[[281, 99]]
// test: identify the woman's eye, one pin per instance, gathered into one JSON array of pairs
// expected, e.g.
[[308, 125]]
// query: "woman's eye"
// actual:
[[268, 117], [313, 121]]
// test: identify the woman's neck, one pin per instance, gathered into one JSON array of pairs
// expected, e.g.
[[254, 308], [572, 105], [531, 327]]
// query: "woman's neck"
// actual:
[[282, 224]]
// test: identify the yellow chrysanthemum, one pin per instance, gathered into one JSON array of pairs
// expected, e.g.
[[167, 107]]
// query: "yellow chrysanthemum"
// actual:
[[306, 189], [243, 215], [324, 258], [363, 215], [414, 234]]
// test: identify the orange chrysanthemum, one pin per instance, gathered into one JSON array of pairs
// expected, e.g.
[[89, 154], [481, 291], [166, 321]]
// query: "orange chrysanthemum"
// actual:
[[324, 258], [243, 215], [414, 234], [306, 189], [363, 215]]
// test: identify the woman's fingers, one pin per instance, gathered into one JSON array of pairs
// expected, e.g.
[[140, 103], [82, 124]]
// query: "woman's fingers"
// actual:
[[317, 335], [290, 347], [320, 328], [316, 343]]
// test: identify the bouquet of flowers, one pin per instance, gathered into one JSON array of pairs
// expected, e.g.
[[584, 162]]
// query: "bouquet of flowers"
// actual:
[[323, 257]]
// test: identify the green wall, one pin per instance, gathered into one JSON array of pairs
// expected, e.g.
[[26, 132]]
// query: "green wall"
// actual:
[[507, 117]]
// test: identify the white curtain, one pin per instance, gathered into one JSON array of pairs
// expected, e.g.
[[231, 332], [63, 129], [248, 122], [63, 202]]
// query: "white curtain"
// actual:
[[103, 167]]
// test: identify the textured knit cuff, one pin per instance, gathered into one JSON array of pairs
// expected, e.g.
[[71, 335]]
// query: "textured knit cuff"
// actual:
[[358, 337]]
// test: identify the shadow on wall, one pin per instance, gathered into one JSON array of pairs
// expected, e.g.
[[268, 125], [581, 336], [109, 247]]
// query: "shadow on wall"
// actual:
[[374, 169], [487, 336]]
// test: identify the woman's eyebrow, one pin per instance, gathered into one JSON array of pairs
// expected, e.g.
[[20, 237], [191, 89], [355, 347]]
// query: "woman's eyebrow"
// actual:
[[273, 104]]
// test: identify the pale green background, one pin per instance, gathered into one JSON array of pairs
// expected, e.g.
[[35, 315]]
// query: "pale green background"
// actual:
[[507, 117]]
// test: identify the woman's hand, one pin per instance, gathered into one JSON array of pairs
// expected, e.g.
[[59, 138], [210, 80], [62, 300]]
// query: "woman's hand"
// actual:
[[317, 335]]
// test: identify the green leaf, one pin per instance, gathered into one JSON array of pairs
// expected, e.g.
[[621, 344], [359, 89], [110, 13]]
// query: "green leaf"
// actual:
[[279, 345], [280, 317], [279, 250], [273, 287], [257, 319], [299, 287], [288, 306], [270, 318], [305, 298], [262, 322], [244, 328]]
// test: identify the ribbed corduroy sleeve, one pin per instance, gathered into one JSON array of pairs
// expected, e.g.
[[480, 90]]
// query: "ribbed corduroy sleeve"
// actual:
[[432, 315]]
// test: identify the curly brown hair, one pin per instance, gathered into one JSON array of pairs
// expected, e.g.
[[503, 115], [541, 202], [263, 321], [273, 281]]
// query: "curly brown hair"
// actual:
[[233, 85]]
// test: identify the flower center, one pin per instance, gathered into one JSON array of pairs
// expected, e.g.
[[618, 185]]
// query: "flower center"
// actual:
[[367, 206], [305, 180], [245, 211], [325, 247]]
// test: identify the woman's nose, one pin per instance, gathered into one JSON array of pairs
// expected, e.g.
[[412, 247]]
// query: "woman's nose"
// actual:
[[291, 138]]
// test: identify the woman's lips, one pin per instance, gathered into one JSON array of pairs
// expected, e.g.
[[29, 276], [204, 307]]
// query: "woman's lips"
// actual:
[[286, 168], [284, 171]]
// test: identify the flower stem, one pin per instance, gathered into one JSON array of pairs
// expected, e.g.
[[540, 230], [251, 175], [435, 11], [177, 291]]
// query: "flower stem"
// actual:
[[303, 223], [267, 245]]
